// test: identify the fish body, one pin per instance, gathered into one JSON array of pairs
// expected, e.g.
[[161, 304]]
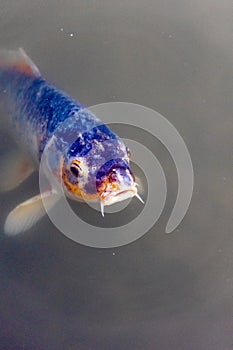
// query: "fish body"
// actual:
[[82, 154]]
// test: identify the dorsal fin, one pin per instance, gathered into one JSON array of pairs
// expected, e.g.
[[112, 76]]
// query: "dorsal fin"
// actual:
[[19, 61]]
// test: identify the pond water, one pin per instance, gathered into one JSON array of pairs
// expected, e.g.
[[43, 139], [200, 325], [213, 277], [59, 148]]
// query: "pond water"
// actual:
[[161, 291]]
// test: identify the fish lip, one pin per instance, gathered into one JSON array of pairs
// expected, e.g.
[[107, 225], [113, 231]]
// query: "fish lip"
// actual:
[[122, 192], [109, 198]]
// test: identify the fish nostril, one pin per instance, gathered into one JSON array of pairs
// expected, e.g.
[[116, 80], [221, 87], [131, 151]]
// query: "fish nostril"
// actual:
[[113, 177]]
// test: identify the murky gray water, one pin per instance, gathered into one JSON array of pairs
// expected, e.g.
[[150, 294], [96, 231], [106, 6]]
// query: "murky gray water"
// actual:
[[160, 292]]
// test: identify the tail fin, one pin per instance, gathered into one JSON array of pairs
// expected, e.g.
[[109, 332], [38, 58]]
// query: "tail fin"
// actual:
[[19, 61]]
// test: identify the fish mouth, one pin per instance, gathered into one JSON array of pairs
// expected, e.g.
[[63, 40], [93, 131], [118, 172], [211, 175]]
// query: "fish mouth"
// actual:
[[117, 185], [114, 197], [123, 192], [118, 196]]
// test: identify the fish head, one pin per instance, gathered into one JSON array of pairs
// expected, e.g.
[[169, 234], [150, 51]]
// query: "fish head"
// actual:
[[110, 183], [96, 168]]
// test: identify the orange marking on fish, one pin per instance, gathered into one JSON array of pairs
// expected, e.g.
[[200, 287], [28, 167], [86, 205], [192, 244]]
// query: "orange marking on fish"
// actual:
[[74, 189]]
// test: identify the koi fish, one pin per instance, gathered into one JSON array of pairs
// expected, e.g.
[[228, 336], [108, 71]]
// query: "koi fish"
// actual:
[[82, 154]]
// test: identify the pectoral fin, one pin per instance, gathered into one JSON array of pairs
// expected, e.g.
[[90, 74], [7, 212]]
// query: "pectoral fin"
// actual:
[[14, 169], [26, 214]]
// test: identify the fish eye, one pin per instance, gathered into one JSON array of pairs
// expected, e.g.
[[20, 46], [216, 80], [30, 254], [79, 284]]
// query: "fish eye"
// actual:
[[75, 168]]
